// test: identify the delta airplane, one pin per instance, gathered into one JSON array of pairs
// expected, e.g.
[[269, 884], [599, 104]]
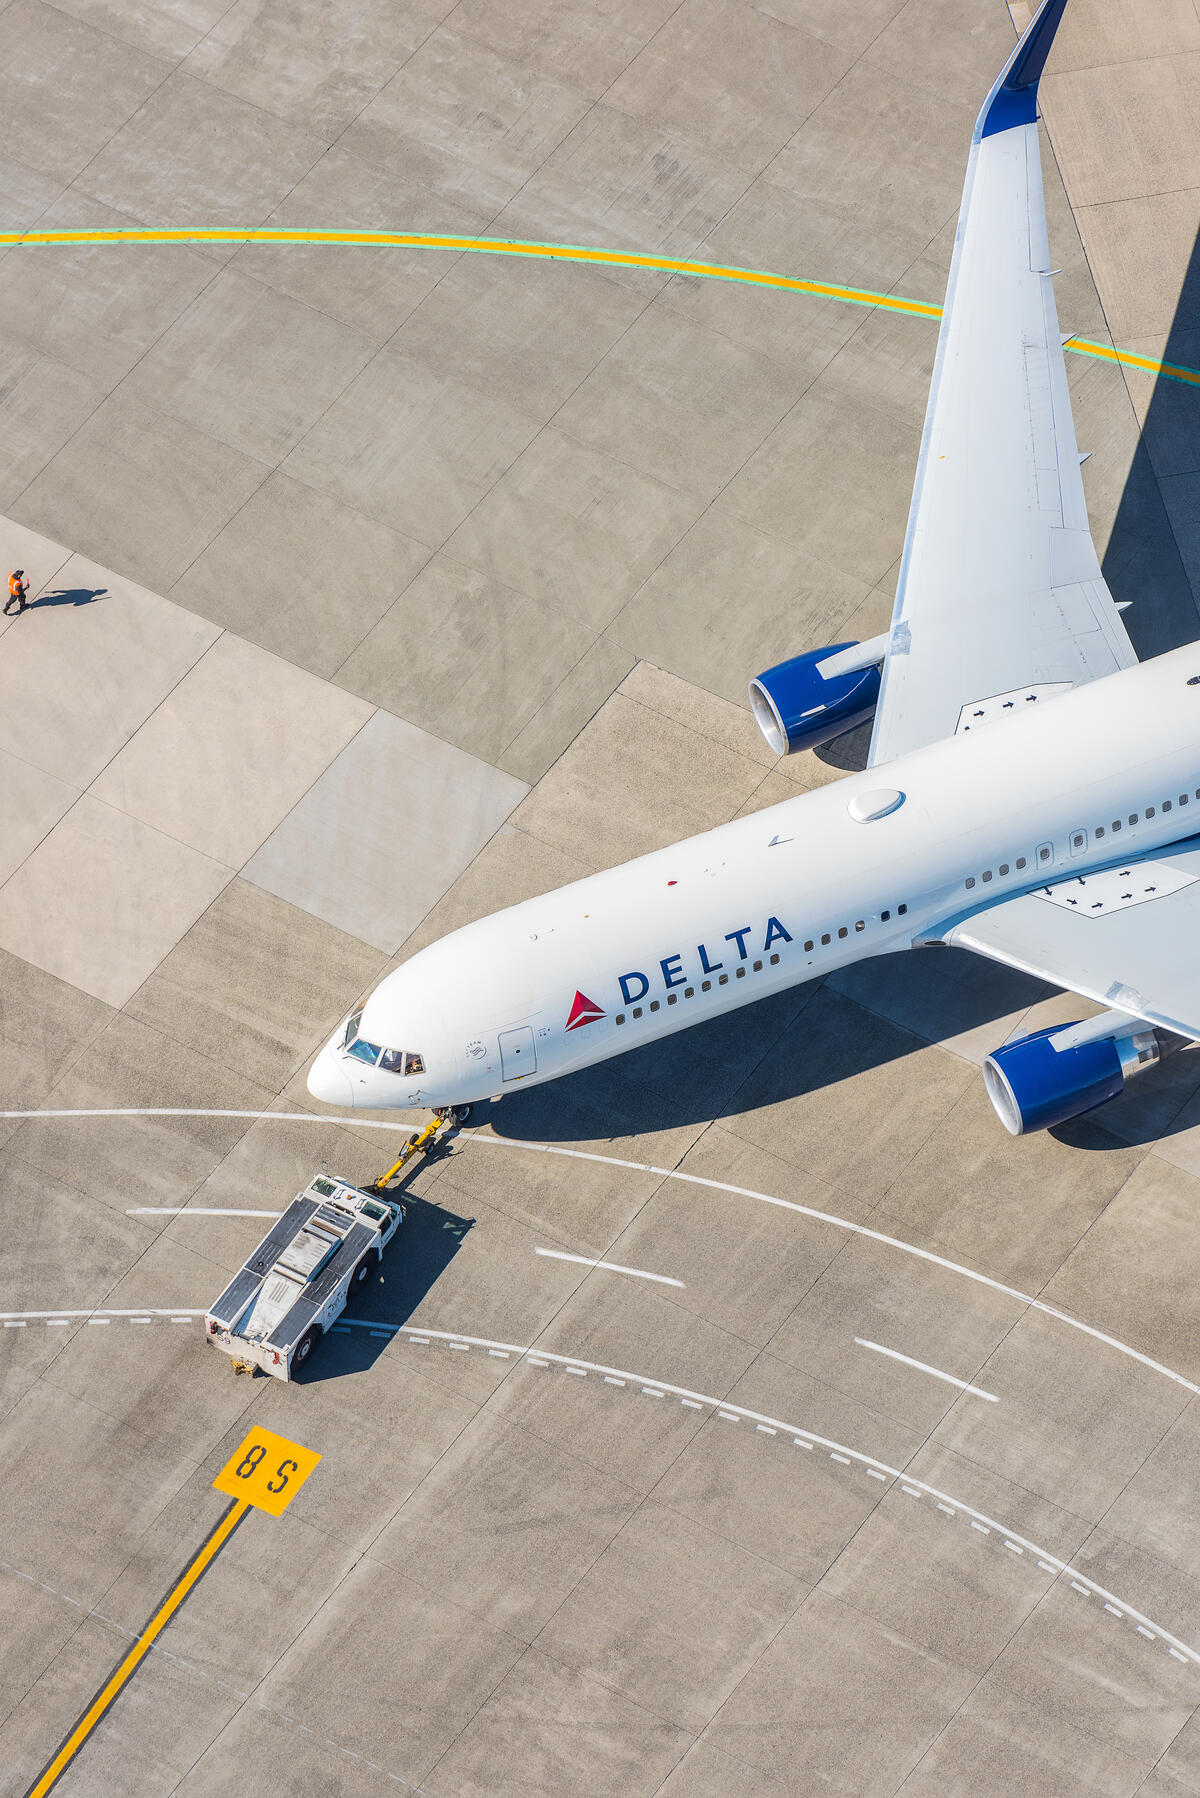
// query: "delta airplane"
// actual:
[[1030, 791]]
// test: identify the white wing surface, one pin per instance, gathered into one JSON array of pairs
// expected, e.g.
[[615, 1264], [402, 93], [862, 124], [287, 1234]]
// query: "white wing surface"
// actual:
[[1000, 595], [1125, 937]]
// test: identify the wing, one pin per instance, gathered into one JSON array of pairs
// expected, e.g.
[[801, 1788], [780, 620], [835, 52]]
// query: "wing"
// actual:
[[1000, 592], [1125, 937]]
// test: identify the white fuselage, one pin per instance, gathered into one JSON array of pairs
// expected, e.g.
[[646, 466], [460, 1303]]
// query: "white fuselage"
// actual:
[[1089, 779]]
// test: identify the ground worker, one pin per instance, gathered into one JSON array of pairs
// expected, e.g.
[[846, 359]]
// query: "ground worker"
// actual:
[[18, 587]]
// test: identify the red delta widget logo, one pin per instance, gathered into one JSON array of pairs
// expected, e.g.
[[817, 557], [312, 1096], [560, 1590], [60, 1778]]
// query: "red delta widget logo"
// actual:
[[583, 1011], [672, 969]]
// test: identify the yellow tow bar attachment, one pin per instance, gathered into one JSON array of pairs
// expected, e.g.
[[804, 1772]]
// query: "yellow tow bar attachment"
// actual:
[[418, 1144]]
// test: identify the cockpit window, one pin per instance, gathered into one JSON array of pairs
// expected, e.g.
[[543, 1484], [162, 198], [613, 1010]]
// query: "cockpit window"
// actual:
[[364, 1050], [351, 1029], [402, 1061], [414, 1064]]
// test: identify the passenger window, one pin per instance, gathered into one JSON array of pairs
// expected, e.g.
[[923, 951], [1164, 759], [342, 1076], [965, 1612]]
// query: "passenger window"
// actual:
[[1004, 867], [1166, 808], [1133, 817], [842, 931], [1020, 861], [826, 938], [1183, 799], [1099, 830], [861, 924], [1078, 842], [900, 910], [654, 1004], [987, 874], [1045, 852], [808, 948], [1166, 805], [884, 916], [1116, 824]]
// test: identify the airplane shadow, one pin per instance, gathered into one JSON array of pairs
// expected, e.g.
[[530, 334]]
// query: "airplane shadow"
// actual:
[[818, 1035]]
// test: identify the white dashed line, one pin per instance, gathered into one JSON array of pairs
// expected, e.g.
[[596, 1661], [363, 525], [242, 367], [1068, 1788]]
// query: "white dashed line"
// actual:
[[1115, 1612], [692, 1404], [500, 1354], [728, 1416], [652, 1392], [1076, 1587], [1148, 1633], [1013, 1546], [609, 1379], [581, 1371], [533, 1360], [844, 1459], [874, 1473], [924, 1367], [799, 1442], [948, 1509], [463, 1347], [982, 1528], [1176, 1653], [1046, 1567], [910, 1490], [608, 1267], [765, 1429]]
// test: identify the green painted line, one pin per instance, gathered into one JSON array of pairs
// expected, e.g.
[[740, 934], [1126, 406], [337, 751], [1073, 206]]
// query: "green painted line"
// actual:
[[585, 253]]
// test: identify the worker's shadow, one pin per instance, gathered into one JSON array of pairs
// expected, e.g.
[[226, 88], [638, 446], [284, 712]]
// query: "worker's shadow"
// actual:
[[66, 596], [413, 1262]]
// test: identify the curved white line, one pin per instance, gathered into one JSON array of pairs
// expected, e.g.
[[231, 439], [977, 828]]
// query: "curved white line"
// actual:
[[102, 1311], [664, 1173], [798, 1434], [192, 1211]]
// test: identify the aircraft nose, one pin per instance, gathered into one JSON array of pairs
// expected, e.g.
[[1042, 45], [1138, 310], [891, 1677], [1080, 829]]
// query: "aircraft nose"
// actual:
[[329, 1082]]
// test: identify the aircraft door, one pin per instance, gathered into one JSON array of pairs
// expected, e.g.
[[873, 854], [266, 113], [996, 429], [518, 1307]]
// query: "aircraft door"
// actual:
[[518, 1057]]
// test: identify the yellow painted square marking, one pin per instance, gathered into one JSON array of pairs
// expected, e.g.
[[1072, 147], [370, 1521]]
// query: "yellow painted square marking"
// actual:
[[267, 1471]]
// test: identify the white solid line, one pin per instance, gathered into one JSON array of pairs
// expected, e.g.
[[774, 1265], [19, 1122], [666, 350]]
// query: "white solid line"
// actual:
[[607, 1267], [924, 1367], [192, 1211], [662, 1173], [105, 1311]]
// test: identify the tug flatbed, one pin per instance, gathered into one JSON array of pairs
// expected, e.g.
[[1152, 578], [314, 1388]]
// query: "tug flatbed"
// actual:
[[297, 1281]]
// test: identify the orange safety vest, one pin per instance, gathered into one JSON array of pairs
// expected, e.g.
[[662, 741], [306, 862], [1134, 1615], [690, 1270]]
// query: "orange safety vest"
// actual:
[[15, 587]]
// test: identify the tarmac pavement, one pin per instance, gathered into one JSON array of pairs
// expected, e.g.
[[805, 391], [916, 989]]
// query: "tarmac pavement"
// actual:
[[378, 588]]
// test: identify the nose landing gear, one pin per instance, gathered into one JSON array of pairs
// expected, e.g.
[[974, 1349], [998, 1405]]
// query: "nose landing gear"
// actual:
[[444, 1119]]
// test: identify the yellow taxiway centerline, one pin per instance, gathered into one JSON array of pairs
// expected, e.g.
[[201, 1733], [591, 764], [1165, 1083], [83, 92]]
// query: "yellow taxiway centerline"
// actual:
[[856, 296], [113, 1686]]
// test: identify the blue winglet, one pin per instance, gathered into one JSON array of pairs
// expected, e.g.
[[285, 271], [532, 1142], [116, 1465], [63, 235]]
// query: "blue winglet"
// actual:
[[1013, 100]]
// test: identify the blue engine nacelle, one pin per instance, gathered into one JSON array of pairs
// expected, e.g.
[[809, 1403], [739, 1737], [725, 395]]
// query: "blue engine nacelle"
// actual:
[[797, 707], [1034, 1086]]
